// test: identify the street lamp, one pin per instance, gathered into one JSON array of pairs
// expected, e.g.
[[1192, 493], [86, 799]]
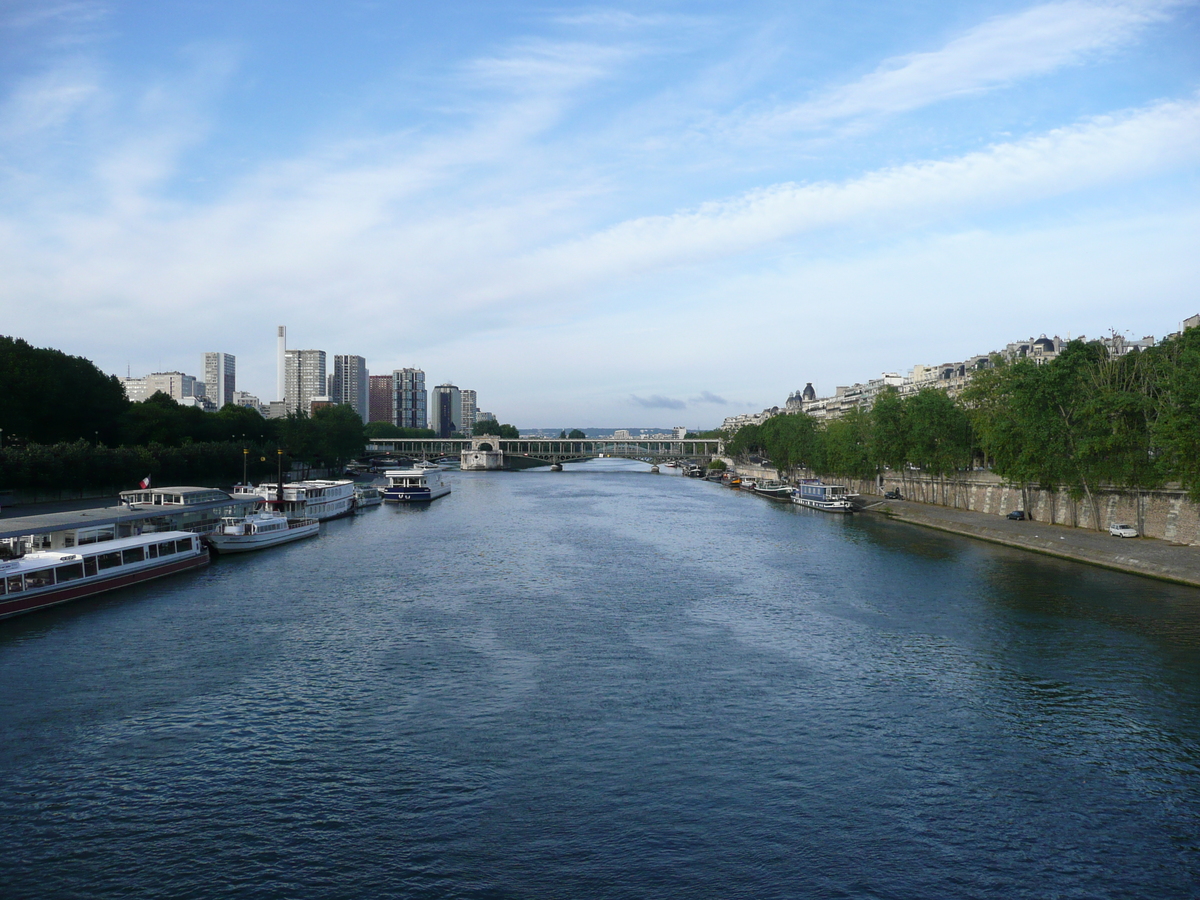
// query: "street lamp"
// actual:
[[245, 460]]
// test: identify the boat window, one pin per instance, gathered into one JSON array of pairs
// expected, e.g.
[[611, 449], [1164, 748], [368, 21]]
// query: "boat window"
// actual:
[[44, 578], [109, 560], [166, 548], [133, 554], [89, 565], [153, 548], [16, 584], [183, 546], [69, 572]]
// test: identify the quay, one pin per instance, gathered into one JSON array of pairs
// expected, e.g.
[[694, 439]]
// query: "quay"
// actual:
[[182, 508], [1151, 557]]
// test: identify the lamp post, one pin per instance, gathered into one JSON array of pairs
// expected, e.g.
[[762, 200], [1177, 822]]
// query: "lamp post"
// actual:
[[245, 460]]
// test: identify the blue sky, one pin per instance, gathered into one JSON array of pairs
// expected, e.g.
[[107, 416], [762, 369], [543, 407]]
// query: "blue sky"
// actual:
[[595, 214]]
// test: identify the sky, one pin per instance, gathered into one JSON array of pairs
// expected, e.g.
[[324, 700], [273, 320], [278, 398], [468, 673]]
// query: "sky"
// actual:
[[647, 213]]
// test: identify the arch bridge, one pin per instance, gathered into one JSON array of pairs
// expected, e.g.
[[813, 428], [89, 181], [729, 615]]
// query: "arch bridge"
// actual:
[[519, 453]]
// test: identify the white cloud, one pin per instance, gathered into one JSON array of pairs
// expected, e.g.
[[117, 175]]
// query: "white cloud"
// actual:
[[996, 53]]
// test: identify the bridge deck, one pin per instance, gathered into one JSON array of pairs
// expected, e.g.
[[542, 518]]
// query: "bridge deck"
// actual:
[[552, 449]]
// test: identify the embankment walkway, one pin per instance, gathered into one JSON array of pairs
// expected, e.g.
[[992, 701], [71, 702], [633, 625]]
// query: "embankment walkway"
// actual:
[[1164, 560]]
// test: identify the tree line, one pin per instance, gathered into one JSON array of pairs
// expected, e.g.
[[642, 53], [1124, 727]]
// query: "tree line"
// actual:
[[64, 424], [1083, 421]]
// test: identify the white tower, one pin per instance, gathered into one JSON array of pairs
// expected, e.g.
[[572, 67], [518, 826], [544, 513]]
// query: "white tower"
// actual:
[[281, 363]]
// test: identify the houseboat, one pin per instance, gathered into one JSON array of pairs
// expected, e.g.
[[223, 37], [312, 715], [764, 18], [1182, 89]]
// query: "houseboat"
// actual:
[[414, 485], [319, 499], [828, 497], [776, 490], [259, 530], [366, 496], [35, 580]]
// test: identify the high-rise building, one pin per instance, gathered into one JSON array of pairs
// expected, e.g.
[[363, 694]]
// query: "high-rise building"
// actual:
[[469, 408], [446, 410], [409, 398], [220, 377], [305, 379], [281, 363], [175, 385], [348, 383], [382, 399]]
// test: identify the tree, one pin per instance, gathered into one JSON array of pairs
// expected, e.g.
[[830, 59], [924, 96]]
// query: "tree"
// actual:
[[51, 397], [485, 426], [562, 434], [577, 435], [340, 434], [509, 432]]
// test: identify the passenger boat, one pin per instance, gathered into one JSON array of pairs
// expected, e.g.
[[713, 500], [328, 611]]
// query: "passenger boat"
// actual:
[[259, 530], [318, 498], [44, 578], [414, 485], [366, 495], [827, 497], [776, 490]]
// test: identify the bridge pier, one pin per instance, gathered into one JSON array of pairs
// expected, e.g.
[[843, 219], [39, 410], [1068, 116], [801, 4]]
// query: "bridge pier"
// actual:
[[556, 467]]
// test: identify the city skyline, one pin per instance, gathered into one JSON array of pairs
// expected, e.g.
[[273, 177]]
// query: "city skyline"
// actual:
[[619, 212]]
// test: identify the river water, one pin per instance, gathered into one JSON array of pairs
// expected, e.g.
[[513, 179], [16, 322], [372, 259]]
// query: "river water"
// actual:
[[607, 683]]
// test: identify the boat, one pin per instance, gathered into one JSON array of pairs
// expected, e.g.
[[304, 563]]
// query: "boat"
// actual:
[[416, 485], [259, 530], [35, 580], [424, 464], [827, 497], [318, 498], [735, 481], [776, 490], [748, 484], [367, 495]]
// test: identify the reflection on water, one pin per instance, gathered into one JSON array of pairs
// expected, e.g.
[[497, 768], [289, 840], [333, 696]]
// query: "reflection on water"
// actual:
[[603, 682]]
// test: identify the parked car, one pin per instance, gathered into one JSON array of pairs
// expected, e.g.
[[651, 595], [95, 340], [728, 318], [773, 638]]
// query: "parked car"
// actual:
[[892, 495], [1122, 530], [1018, 514]]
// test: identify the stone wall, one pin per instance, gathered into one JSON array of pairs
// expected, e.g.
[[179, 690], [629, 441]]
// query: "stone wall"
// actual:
[[1167, 514]]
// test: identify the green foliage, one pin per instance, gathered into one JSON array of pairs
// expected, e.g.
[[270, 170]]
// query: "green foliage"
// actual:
[[508, 432], [485, 426], [717, 465], [50, 397], [576, 435]]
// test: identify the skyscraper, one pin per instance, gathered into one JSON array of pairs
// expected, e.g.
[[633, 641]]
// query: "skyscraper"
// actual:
[[469, 408], [281, 363], [348, 383], [446, 410], [382, 399], [220, 377], [304, 379], [409, 398]]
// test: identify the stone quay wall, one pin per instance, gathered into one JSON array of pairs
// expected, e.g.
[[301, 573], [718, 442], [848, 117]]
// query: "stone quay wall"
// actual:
[[1166, 513]]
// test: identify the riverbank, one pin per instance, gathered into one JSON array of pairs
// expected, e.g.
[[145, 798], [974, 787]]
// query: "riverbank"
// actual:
[[1152, 558]]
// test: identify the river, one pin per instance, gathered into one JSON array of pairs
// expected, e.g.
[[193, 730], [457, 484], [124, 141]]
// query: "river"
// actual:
[[606, 683]]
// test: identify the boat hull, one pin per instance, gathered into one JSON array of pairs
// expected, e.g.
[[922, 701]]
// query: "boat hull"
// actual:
[[243, 543], [415, 495], [831, 506], [14, 604]]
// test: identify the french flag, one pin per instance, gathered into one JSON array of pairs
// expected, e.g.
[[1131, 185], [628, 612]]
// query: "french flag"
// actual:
[[144, 483]]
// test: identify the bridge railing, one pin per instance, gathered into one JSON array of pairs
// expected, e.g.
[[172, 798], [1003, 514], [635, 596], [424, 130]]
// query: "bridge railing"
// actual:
[[553, 448]]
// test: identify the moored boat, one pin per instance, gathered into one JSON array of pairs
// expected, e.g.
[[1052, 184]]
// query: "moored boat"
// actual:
[[827, 497], [317, 498], [414, 485], [776, 490], [44, 578], [366, 495], [259, 530]]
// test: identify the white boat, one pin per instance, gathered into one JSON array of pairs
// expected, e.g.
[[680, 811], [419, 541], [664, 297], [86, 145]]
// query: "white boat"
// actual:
[[414, 485], [259, 530], [366, 495], [48, 577], [318, 498], [827, 497]]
